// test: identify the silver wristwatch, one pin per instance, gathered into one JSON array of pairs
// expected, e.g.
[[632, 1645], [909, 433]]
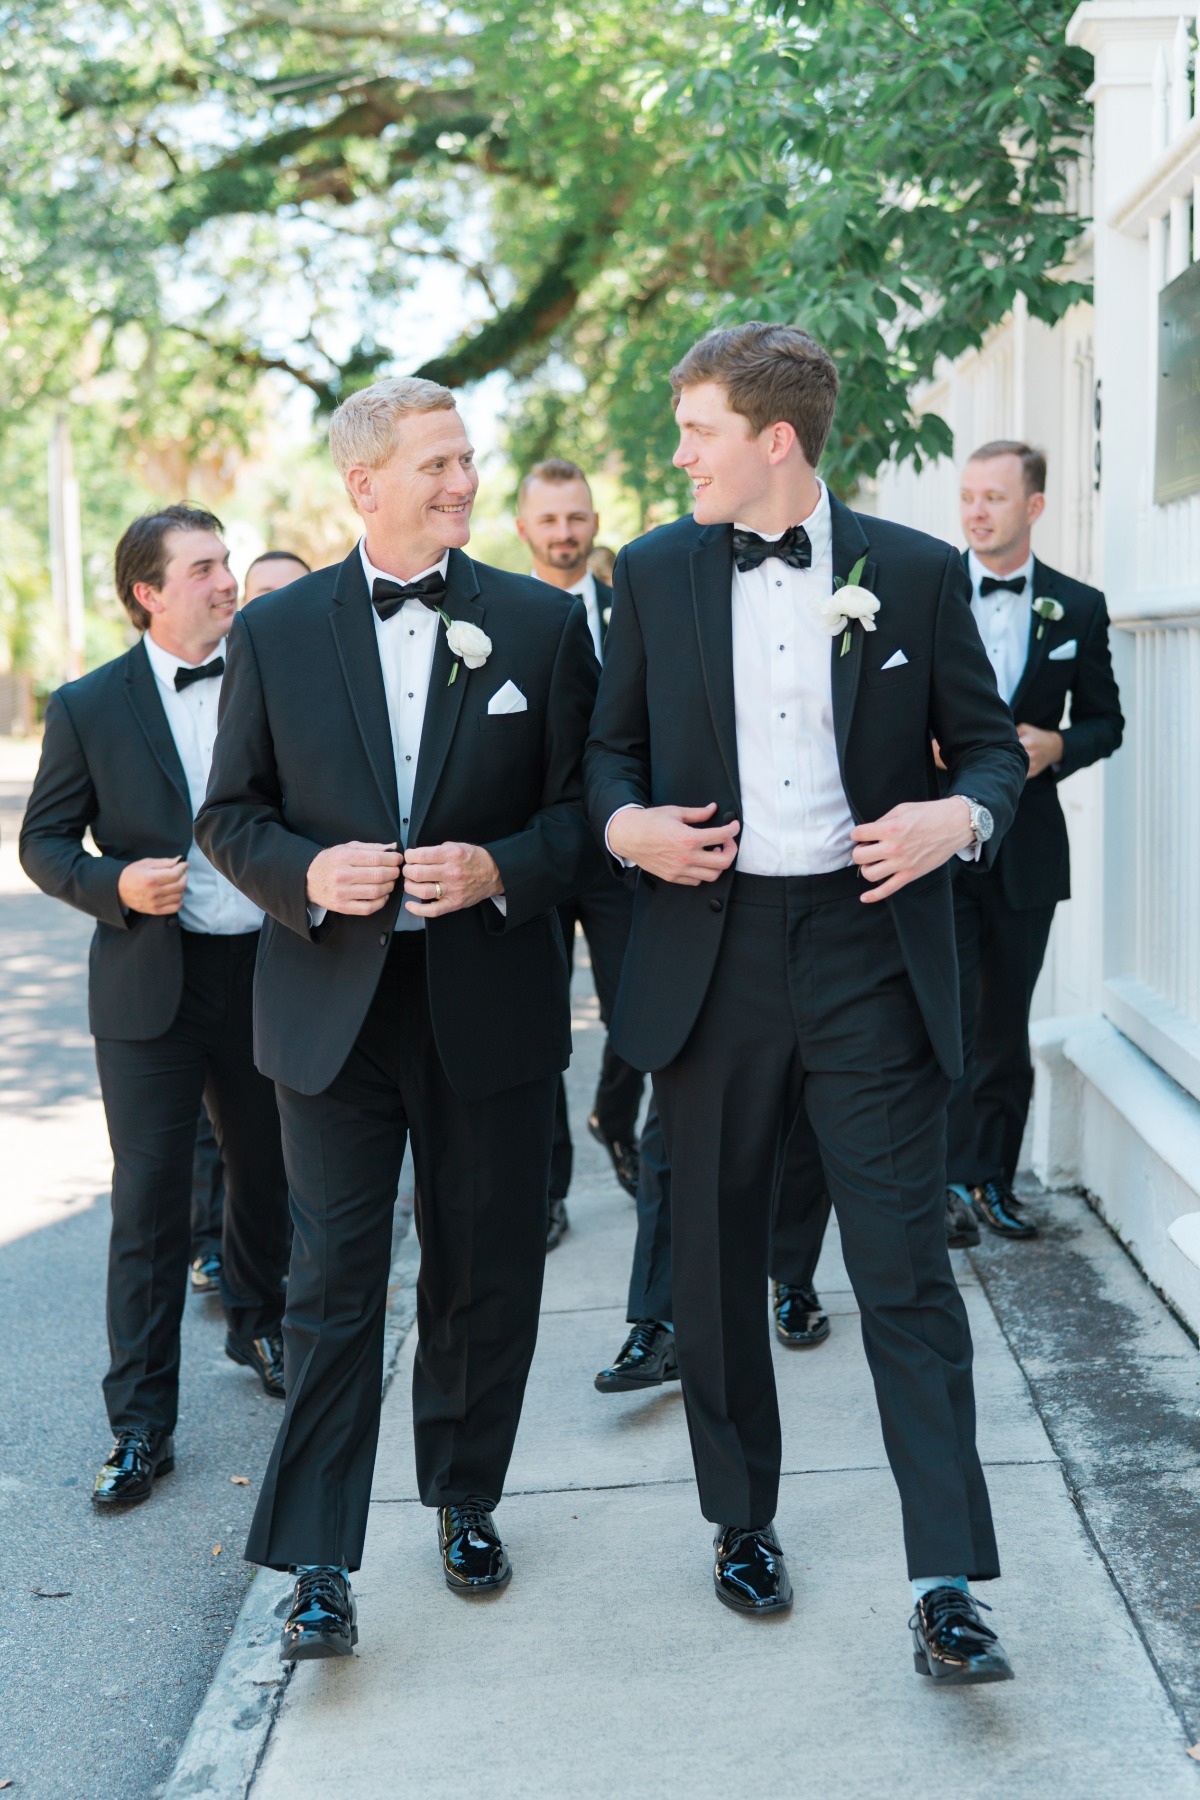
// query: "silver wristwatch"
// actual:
[[982, 822]]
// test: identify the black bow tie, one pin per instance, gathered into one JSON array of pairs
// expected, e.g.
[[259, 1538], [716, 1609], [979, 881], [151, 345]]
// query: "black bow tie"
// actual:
[[793, 548], [206, 672], [387, 597], [992, 584]]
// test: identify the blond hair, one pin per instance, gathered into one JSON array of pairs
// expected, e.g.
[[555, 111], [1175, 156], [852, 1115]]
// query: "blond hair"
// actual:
[[363, 429]]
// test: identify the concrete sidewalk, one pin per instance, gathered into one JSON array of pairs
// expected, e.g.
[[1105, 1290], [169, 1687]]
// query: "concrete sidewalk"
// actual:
[[608, 1669]]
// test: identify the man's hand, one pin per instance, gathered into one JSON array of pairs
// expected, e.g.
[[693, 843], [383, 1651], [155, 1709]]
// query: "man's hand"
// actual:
[[673, 842], [909, 841], [353, 878], [153, 884], [445, 878], [1041, 747]]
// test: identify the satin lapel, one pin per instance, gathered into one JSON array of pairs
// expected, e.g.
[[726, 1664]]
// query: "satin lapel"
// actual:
[[712, 604], [353, 625], [151, 716], [444, 702], [849, 544], [1035, 655]]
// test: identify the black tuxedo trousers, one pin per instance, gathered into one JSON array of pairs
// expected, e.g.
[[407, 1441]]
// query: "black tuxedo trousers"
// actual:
[[481, 1169], [835, 1023], [605, 911], [799, 1218], [152, 1090]]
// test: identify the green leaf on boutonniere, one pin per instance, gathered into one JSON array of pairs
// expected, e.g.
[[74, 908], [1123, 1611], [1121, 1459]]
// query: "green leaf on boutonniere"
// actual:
[[453, 675], [845, 642], [853, 579]]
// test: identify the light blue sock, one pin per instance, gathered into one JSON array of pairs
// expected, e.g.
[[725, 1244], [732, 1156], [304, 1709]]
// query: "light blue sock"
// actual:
[[922, 1584], [964, 1193]]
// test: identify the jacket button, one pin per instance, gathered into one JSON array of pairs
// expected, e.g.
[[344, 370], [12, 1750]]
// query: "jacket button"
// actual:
[[716, 905], [383, 937]]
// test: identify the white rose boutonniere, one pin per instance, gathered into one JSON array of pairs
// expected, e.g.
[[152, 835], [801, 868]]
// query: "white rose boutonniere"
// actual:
[[848, 601], [1047, 609], [466, 641]]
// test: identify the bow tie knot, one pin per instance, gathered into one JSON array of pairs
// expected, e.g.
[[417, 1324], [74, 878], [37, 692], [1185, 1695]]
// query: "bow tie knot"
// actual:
[[793, 548], [206, 672], [993, 584], [387, 597]]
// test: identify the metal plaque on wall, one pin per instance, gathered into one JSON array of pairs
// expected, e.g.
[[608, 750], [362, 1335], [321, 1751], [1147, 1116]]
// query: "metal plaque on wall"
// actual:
[[1177, 442]]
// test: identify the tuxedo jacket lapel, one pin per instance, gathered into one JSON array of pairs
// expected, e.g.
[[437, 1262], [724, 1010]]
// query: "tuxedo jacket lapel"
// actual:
[[444, 702], [712, 605], [1035, 655], [353, 626], [849, 544], [148, 708]]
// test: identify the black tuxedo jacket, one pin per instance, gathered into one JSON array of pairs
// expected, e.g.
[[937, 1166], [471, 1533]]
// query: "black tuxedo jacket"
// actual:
[[664, 733], [1034, 863], [304, 760], [109, 762]]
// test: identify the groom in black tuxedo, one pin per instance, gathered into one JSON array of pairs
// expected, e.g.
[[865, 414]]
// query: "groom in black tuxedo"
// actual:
[[397, 783], [761, 753]]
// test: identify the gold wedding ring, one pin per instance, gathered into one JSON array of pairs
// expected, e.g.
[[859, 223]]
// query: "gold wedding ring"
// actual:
[[437, 890]]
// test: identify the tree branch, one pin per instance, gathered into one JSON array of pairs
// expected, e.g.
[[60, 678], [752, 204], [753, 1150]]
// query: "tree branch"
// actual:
[[340, 25], [530, 321], [246, 357]]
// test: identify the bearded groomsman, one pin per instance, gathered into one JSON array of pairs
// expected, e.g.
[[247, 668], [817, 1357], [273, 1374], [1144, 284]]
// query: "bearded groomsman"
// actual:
[[1047, 638], [748, 715], [556, 518], [126, 755], [406, 726]]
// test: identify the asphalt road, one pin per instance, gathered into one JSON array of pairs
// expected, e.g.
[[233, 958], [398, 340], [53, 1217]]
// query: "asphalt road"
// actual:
[[110, 1626]]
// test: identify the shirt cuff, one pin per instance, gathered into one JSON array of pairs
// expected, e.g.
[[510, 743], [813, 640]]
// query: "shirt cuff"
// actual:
[[500, 901], [626, 862], [317, 916]]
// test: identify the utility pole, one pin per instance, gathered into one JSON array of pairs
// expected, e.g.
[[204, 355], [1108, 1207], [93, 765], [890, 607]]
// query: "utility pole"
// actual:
[[66, 546]]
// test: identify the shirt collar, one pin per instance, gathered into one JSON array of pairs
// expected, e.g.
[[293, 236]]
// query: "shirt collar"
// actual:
[[585, 587], [818, 525], [373, 574], [165, 665], [976, 571]]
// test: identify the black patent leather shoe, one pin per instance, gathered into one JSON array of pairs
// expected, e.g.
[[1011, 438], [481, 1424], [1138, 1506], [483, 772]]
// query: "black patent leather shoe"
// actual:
[[206, 1275], [557, 1226], [951, 1642], [750, 1574], [962, 1227], [474, 1559], [264, 1355], [324, 1617], [135, 1462], [1000, 1209], [800, 1321], [626, 1158], [646, 1359]]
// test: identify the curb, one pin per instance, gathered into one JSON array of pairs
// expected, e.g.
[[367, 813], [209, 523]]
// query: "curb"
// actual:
[[223, 1751]]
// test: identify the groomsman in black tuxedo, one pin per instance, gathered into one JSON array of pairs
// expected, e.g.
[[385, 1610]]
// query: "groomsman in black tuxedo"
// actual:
[[126, 755], [761, 753], [556, 518], [397, 783], [1047, 638]]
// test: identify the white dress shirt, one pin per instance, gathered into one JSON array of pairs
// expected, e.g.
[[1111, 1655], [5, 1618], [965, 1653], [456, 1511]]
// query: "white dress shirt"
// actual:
[[1003, 621], [585, 590], [796, 819], [210, 903], [406, 645]]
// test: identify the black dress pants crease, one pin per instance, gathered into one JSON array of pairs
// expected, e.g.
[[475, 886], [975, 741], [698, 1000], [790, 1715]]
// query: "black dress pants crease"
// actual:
[[152, 1091], [480, 1216], [810, 998], [798, 1222], [1000, 956], [208, 1190], [605, 910]]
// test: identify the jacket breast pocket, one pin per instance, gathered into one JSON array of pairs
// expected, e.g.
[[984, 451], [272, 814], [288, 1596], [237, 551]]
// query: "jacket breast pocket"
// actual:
[[914, 669], [509, 722]]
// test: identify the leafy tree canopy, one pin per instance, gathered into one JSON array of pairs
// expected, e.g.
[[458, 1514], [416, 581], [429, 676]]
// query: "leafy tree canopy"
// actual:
[[201, 193]]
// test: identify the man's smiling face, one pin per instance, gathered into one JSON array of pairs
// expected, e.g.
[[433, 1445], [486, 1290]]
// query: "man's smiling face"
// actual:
[[424, 493], [725, 461]]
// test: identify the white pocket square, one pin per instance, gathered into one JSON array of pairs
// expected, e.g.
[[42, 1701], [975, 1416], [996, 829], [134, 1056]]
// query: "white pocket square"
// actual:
[[896, 661], [508, 699], [1065, 652]]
